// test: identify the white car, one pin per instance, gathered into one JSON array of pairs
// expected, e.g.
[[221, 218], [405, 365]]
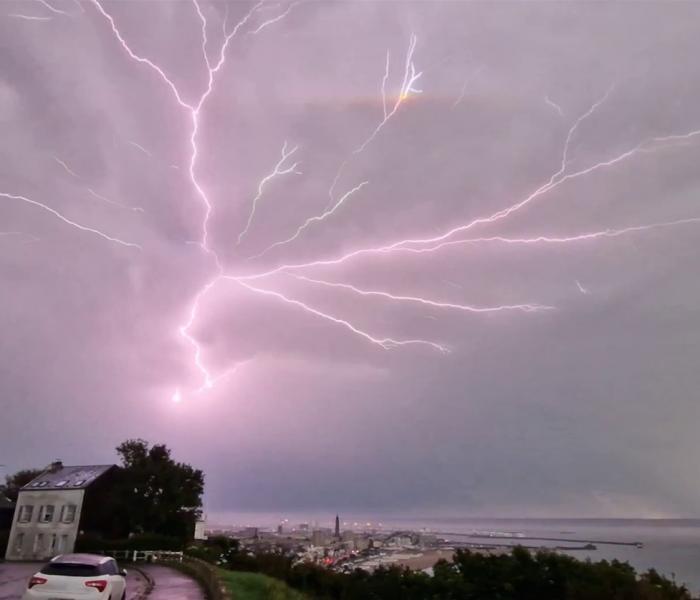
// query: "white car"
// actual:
[[78, 577]]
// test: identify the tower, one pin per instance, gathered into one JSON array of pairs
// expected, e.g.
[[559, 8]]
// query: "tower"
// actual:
[[337, 526]]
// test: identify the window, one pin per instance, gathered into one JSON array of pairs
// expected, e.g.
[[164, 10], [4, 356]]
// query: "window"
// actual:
[[46, 515], [71, 569], [19, 543], [25, 513], [54, 543], [109, 568], [38, 543], [62, 544], [68, 513]]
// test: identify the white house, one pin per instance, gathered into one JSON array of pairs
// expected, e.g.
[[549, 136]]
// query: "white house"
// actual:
[[49, 510]]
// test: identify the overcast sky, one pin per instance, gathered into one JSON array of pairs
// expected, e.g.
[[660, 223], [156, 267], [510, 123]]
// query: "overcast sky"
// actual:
[[581, 399]]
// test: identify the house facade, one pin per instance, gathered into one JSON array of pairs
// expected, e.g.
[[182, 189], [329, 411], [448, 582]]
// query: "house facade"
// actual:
[[49, 511]]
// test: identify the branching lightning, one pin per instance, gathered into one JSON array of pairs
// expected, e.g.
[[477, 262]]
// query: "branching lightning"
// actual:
[[193, 106], [410, 77], [68, 221], [278, 171], [425, 301], [317, 219], [386, 343]]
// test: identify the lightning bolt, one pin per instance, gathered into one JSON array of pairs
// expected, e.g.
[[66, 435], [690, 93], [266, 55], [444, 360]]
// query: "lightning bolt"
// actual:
[[465, 85], [66, 168], [54, 9], [581, 289], [274, 20], [68, 221], [278, 171], [556, 180], [542, 239], [425, 301], [94, 194], [311, 220], [553, 105], [410, 77], [385, 343], [29, 17], [141, 148]]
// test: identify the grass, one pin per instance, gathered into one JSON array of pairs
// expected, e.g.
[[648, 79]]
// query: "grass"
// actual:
[[255, 586]]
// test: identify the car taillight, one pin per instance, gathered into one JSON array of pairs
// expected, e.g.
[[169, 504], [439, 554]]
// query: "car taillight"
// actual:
[[36, 581], [98, 584]]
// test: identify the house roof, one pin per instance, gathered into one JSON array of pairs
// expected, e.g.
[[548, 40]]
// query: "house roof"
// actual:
[[78, 477]]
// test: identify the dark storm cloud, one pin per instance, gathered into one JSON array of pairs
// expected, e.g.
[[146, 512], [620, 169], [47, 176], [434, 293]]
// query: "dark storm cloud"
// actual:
[[585, 409]]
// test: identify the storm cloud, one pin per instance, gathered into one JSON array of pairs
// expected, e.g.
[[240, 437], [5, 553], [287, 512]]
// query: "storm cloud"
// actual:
[[585, 409]]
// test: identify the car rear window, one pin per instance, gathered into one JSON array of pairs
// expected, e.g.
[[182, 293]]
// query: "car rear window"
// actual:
[[71, 570]]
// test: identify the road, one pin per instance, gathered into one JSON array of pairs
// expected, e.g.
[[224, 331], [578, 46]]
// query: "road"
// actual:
[[170, 585]]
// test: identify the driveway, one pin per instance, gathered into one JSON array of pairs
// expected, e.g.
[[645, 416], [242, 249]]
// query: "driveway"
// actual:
[[14, 576]]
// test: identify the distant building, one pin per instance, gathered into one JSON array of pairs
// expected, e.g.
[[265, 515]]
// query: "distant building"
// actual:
[[337, 527], [320, 537], [50, 511], [200, 526]]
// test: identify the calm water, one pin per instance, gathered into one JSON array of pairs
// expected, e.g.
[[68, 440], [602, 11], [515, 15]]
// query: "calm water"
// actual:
[[672, 547]]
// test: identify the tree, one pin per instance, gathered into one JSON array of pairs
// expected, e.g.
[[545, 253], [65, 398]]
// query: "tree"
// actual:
[[163, 496], [13, 483]]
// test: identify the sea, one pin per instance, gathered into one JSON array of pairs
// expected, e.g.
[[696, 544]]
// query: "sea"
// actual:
[[671, 546]]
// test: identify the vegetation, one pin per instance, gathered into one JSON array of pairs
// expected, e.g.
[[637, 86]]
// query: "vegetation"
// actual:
[[14, 482], [154, 494], [519, 575], [255, 586]]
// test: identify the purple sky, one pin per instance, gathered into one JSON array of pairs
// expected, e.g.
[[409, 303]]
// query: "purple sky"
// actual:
[[579, 400]]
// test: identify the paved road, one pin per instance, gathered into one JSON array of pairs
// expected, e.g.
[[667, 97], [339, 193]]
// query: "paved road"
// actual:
[[14, 576], [172, 585]]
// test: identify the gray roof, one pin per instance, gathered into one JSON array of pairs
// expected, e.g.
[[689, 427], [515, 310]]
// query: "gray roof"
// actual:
[[78, 477]]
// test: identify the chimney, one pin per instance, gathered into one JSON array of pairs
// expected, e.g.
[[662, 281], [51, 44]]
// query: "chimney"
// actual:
[[56, 466]]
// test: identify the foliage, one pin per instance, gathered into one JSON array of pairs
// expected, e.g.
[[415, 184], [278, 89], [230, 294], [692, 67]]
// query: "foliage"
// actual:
[[146, 541], [163, 496], [14, 482], [218, 550], [255, 586], [4, 538], [149, 493], [518, 575]]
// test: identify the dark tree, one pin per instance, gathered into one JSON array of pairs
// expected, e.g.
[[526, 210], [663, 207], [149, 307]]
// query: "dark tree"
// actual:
[[13, 483], [162, 496]]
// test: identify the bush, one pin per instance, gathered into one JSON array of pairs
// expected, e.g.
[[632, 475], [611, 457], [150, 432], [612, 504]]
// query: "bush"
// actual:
[[94, 543], [4, 539]]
